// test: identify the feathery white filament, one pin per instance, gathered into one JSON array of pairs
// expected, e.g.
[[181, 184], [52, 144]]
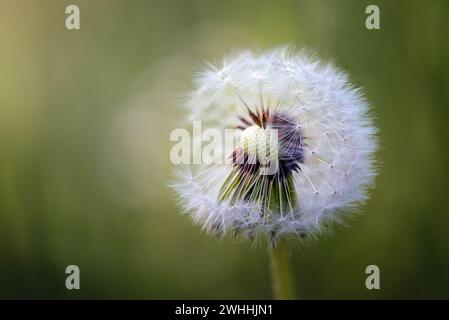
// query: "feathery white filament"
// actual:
[[338, 150]]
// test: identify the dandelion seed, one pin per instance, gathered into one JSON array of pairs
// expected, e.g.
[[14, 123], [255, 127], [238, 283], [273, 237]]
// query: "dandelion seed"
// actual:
[[323, 153]]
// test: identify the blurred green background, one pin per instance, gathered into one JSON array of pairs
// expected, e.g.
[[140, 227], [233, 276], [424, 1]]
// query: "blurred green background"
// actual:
[[85, 118]]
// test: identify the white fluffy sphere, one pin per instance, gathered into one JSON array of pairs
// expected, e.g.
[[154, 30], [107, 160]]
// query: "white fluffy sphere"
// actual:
[[326, 170]]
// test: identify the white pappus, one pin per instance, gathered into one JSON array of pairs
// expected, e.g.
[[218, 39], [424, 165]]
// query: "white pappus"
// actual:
[[324, 155]]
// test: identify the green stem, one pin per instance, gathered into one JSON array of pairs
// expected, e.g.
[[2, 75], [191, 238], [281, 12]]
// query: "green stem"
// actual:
[[281, 273]]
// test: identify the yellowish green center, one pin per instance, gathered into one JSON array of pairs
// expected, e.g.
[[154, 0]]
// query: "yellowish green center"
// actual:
[[260, 142]]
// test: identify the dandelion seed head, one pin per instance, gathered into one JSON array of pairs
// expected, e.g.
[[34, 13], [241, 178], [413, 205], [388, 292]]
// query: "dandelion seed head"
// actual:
[[324, 152]]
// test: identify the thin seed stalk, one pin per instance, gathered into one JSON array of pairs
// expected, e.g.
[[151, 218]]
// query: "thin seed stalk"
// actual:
[[283, 282]]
